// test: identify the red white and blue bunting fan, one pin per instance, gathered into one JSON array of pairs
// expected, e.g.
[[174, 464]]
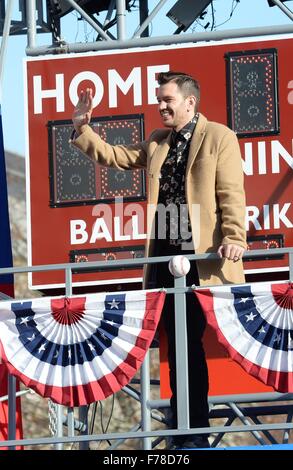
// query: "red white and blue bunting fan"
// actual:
[[255, 324], [77, 350]]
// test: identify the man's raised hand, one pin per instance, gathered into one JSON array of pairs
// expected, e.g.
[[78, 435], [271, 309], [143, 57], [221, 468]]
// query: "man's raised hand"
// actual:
[[83, 110]]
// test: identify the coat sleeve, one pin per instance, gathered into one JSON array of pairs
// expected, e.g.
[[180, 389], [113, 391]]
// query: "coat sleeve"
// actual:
[[230, 191], [123, 157]]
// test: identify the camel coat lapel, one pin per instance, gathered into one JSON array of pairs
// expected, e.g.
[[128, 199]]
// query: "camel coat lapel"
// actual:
[[195, 144]]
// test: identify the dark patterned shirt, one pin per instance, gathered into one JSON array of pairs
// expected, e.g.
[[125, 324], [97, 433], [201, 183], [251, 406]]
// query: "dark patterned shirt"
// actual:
[[176, 225]]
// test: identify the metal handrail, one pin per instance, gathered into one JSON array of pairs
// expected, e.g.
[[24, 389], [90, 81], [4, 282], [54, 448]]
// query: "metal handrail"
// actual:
[[180, 328], [140, 261]]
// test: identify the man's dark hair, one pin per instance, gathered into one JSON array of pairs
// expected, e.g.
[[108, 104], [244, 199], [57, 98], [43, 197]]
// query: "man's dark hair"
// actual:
[[187, 84]]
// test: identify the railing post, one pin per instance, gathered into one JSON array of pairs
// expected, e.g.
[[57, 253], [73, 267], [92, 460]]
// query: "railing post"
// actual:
[[11, 408], [83, 418], [182, 382], [59, 426], [70, 410], [145, 396], [68, 281], [291, 266], [70, 421]]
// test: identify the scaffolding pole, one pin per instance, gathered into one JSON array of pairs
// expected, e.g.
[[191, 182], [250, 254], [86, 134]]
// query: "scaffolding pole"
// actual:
[[4, 42], [284, 8], [161, 40]]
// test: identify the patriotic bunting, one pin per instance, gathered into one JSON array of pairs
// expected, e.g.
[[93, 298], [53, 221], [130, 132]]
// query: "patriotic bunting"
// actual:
[[255, 324], [79, 350]]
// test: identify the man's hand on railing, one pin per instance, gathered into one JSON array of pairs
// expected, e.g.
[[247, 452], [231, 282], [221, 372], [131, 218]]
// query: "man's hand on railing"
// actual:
[[231, 251]]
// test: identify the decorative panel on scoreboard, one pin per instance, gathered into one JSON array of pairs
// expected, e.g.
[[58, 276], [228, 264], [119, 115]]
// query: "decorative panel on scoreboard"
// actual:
[[76, 180], [252, 92], [264, 242], [107, 254]]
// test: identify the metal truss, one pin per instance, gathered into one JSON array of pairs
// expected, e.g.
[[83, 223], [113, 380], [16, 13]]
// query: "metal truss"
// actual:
[[111, 31]]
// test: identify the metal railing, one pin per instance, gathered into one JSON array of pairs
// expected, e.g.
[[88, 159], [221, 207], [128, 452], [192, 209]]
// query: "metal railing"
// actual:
[[147, 405]]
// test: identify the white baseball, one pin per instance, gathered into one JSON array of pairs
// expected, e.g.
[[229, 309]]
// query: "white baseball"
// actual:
[[179, 266]]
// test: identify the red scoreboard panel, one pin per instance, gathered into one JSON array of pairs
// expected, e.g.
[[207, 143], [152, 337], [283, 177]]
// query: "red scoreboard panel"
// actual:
[[80, 211]]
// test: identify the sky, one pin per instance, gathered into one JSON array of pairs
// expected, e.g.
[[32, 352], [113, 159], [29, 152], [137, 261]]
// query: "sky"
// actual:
[[247, 13]]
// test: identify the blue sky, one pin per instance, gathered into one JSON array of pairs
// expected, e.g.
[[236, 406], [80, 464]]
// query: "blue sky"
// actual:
[[248, 13]]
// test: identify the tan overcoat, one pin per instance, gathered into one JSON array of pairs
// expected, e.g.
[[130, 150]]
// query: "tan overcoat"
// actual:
[[214, 188]]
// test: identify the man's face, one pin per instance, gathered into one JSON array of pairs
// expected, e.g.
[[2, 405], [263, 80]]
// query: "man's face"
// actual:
[[174, 108]]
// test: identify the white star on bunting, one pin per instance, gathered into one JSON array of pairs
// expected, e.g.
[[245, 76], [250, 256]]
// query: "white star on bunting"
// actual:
[[244, 299], [91, 346], [114, 304], [42, 347], [250, 317], [277, 338], [262, 330]]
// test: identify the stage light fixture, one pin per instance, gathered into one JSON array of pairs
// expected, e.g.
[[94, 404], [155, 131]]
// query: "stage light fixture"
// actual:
[[185, 12], [60, 8]]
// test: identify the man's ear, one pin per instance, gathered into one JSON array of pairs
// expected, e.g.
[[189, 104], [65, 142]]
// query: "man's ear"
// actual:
[[192, 100]]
